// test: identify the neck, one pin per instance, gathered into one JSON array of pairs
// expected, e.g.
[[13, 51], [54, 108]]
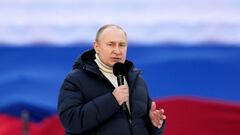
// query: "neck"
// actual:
[[102, 66]]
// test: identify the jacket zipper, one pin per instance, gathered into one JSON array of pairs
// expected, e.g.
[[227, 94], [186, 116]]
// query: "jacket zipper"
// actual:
[[130, 104]]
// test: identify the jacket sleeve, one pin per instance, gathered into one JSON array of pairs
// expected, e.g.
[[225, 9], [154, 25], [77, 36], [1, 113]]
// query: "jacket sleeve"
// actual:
[[79, 117], [154, 130]]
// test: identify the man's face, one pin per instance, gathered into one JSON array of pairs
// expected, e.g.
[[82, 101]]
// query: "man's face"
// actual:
[[111, 46]]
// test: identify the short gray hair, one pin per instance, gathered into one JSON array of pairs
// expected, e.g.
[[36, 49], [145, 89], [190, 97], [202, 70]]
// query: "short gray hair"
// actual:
[[100, 30]]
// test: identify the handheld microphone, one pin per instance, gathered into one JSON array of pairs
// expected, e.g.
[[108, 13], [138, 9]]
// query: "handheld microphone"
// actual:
[[120, 71]]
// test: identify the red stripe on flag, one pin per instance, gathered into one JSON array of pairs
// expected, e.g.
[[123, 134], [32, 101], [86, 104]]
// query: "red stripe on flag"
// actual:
[[13, 126], [189, 116], [185, 116]]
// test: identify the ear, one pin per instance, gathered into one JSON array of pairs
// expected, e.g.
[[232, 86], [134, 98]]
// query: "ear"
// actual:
[[96, 47]]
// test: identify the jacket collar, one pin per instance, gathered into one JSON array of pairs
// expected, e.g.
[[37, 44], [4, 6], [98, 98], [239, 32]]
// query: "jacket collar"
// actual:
[[88, 57], [86, 62]]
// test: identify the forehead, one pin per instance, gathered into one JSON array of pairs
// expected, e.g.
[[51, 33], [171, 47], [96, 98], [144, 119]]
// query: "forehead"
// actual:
[[113, 34]]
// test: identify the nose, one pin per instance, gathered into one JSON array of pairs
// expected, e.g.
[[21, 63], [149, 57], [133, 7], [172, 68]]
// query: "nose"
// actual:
[[117, 50]]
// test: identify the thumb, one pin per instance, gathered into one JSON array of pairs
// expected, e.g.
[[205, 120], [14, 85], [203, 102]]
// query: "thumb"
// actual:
[[153, 106]]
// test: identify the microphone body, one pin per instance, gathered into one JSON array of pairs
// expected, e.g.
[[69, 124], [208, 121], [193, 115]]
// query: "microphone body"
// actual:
[[119, 71], [120, 80]]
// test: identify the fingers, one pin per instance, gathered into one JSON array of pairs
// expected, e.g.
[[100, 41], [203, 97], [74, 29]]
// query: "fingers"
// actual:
[[121, 94], [162, 111], [157, 117], [123, 87], [162, 116]]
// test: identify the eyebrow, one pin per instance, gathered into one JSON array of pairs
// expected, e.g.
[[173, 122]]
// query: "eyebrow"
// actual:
[[119, 42]]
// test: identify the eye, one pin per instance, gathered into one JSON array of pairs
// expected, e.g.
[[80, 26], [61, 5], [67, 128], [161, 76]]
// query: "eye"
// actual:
[[109, 44], [122, 45]]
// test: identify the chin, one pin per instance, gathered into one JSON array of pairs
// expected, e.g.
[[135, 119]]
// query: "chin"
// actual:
[[116, 62], [111, 64]]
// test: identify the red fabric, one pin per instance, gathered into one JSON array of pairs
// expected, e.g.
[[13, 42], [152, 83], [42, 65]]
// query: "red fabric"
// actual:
[[13, 126], [189, 116], [185, 116]]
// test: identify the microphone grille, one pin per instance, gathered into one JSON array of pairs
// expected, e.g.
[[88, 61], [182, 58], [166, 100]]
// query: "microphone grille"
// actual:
[[119, 69]]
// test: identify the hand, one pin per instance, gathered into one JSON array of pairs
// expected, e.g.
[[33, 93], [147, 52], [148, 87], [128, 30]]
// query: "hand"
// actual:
[[121, 94], [156, 116]]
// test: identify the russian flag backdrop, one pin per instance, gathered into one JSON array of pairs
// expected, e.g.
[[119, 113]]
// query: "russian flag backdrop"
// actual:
[[188, 50]]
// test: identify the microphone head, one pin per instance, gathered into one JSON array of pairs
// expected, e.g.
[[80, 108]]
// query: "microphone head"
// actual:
[[119, 69]]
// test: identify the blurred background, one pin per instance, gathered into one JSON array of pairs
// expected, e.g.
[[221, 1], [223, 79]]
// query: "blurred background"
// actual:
[[189, 52]]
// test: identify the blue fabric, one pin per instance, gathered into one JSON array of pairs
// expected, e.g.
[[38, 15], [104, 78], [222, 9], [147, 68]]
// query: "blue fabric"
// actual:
[[30, 77]]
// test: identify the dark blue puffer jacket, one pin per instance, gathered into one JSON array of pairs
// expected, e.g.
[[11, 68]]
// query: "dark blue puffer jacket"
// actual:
[[86, 105]]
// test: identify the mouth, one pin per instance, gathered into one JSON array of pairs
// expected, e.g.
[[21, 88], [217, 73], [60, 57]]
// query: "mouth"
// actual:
[[115, 59]]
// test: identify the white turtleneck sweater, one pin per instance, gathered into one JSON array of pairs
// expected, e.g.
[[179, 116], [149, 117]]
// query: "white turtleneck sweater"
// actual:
[[108, 72]]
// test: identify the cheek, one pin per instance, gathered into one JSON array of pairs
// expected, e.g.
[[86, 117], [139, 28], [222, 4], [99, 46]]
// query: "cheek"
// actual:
[[106, 56], [124, 53], [124, 58]]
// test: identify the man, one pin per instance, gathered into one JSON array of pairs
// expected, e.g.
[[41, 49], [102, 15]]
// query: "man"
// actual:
[[90, 100]]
